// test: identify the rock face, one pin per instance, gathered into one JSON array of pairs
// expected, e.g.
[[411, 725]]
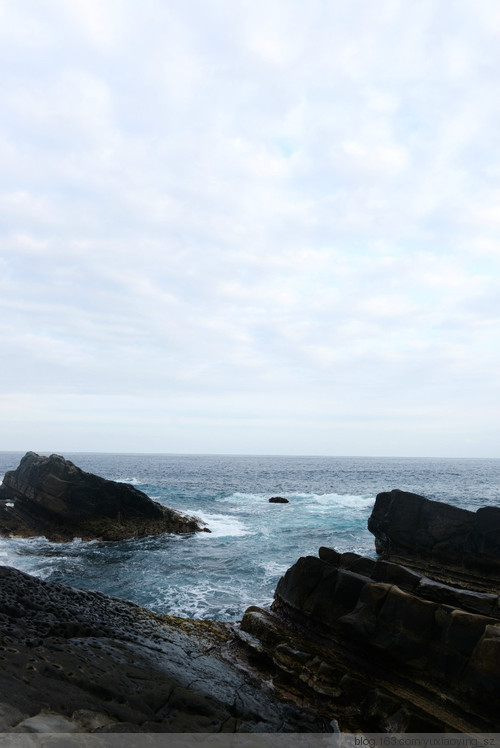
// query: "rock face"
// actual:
[[443, 541], [278, 500], [382, 647], [52, 497], [406, 643], [75, 661]]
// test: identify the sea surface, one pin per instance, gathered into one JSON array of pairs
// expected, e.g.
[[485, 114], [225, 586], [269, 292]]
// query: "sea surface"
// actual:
[[252, 542]]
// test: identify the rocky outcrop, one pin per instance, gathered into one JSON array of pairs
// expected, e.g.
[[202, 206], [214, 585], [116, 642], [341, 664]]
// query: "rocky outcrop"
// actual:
[[75, 661], [350, 643], [443, 541], [51, 497], [381, 647], [278, 500]]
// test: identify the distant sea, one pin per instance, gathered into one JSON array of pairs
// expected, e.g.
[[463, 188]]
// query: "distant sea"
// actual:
[[252, 542]]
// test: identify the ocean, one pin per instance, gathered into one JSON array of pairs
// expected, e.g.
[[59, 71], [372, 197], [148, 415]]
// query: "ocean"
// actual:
[[218, 575]]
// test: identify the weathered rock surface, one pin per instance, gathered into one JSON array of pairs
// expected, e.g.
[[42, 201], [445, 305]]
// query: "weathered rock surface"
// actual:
[[381, 647], [443, 541], [278, 500], [52, 497], [75, 661]]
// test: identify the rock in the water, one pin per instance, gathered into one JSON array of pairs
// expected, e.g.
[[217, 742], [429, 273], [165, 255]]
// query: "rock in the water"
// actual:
[[443, 541], [278, 500], [52, 497]]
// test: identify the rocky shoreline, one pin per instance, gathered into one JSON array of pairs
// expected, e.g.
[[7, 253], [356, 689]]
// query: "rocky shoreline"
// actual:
[[52, 497], [408, 642], [75, 661]]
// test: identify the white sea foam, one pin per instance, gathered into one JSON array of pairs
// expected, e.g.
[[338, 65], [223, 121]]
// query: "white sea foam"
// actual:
[[220, 525], [131, 481], [207, 600], [6, 556], [245, 498], [346, 500], [241, 501], [272, 569]]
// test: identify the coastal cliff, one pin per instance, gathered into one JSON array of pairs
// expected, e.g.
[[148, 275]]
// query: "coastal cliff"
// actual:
[[350, 643], [52, 497]]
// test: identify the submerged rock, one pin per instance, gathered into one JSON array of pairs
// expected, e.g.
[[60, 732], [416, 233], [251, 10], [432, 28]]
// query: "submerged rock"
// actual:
[[443, 541], [278, 500], [52, 497]]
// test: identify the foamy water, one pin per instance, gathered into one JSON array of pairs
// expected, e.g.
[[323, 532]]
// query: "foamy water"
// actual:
[[252, 543]]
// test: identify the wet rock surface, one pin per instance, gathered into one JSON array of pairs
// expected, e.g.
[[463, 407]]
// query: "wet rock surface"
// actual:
[[76, 661], [52, 497]]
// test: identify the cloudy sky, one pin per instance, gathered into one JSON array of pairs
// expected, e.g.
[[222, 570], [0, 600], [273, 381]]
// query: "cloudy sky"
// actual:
[[251, 226]]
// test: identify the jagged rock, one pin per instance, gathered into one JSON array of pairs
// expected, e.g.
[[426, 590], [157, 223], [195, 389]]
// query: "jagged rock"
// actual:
[[278, 500], [443, 541], [51, 496], [398, 650], [77, 661]]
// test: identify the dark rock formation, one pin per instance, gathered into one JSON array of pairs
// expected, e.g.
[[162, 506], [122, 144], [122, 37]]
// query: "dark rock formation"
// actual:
[[443, 541], [75, 661], [50, 496], [278, 500], [379, 647], [350, 642]]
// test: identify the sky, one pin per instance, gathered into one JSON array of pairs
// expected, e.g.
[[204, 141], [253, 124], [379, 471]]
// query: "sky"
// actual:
[[248, 226]]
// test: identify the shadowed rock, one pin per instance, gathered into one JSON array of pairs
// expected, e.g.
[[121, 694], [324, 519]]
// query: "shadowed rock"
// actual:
[[278, 500], [51, 497], [76, 661], [391, 649], [445, 542]]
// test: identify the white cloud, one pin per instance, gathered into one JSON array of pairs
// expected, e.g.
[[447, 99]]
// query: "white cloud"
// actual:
[[270, 213]]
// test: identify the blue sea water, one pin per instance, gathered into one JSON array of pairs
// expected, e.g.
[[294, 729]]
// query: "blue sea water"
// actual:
[[252, 543]]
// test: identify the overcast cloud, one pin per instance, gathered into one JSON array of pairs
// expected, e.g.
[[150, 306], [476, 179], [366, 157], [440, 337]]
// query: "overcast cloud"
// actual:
[[263, 227]]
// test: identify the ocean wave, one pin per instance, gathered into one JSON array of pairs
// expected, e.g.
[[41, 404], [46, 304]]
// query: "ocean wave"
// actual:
[[222, 601], [220, 525], [130, 481], [241, 501], [347, 500], [272, 570]]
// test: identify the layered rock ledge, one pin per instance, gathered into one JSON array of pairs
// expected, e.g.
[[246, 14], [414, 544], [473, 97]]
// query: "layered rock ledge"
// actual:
[[409, 642], [445, 542], [52, 497], [380, 647]]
